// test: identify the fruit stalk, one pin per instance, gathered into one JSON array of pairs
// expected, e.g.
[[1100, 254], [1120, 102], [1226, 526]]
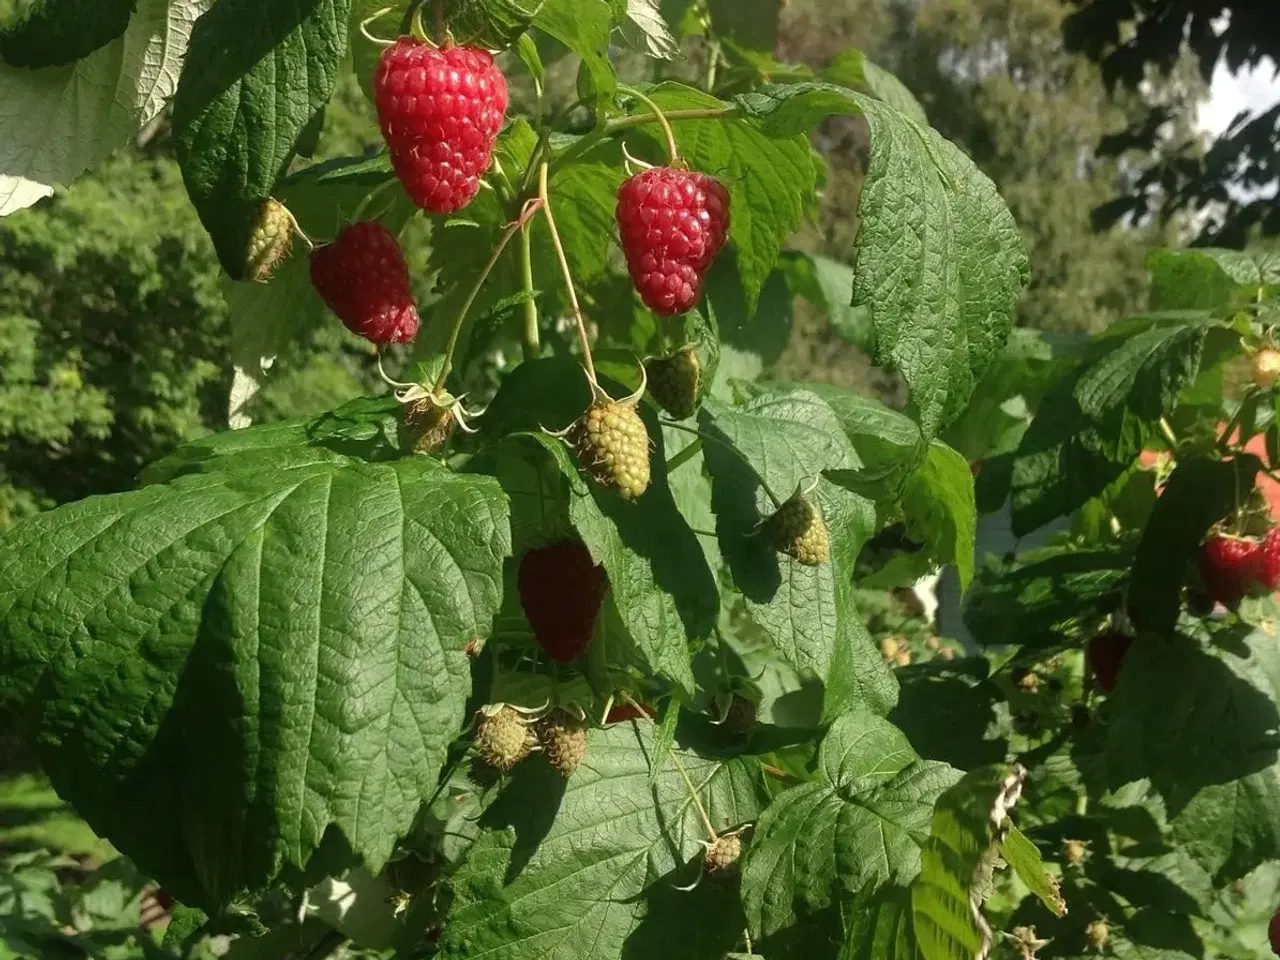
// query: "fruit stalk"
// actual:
[[673, 152], [674, 425], [446, 367], [619, 124], [531, 339], [545, 197]]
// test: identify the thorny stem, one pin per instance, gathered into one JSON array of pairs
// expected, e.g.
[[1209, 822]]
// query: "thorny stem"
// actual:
[[531, 341], [727, 446], [693, 794], [545, 197], [673, 152], [530, 208]]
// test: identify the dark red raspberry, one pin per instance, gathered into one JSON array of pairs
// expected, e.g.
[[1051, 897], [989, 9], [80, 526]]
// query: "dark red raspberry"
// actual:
[[622, 712], [1229, 567], [1273, 933], [1105, 654], [440, 111], [672, 223], [363, 278], [1269, 560], [561, 589]]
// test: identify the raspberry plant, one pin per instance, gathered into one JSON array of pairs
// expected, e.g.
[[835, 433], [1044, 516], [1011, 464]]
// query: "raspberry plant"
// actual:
[[554, 645]]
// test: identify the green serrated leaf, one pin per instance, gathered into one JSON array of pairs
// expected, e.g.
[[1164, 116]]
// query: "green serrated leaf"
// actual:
[[828, 285], [251, 82], [769, 178], [584, 26], [492, 24], [59, 122], [941, 335], [938, 501], [783, 438], [1048, 597], [644, 30], [956, 863], [609, 846], [855, 829], [1021, 854], [877, 926], [659, 579], [249, 660], [664, 736], [52, 33], [1200, 724], [1198, 494], [1092, 424], [1206, 278], [851, 68]]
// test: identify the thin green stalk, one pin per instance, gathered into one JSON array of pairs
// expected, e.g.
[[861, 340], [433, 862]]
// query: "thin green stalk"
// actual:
[[619, 124], [447, 366], [673, 152], [693, 795], [531, 340], [732, 449], [685, 455], [545, 196]]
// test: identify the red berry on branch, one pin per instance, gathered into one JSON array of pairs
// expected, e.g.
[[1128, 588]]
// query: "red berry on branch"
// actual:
[[1229, 567], [363, 278], [622, 712], [560, 590], [672, 224], [440, 111], [1105, 654], [1269, 560]]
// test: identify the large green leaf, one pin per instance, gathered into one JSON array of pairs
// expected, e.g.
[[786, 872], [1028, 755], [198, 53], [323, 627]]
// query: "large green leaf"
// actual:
[[1206, 278], [877, 926], [770, 178], [937, 499], [51, 33], [1093, 424], [784, 439], [957, 862], [58, 122], [255, 75], [584, 26], [1048, 597], [940, 262], [231, 671], [851, 68], [661, 585], [1200, 724], [855, 829], [1199, 492], [583, 870]]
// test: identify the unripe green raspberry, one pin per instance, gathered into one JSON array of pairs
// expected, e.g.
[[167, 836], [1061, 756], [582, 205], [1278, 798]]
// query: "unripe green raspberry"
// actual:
[[270, 241], [427, 425], [674, 382], [799, 531], [564, 740], [722, 856], [503, 738], [613, 447]]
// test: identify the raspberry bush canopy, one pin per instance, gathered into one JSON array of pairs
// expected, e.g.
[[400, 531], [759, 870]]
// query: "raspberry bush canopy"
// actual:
[[567, 617]]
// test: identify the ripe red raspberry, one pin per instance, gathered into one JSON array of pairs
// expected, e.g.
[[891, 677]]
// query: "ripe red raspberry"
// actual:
[[560, 590], [1269, 560], [622, 712], [1228, 566], [363, 278], [1273, 933], [672, 223], [1105, 654], [440, 111]]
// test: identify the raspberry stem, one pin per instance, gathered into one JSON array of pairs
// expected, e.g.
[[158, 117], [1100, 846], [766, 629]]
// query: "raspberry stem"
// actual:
[[673, 152], [545, 197], [638, 120], [675, 425], [526, 214], [532, 343], [693, 795]]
